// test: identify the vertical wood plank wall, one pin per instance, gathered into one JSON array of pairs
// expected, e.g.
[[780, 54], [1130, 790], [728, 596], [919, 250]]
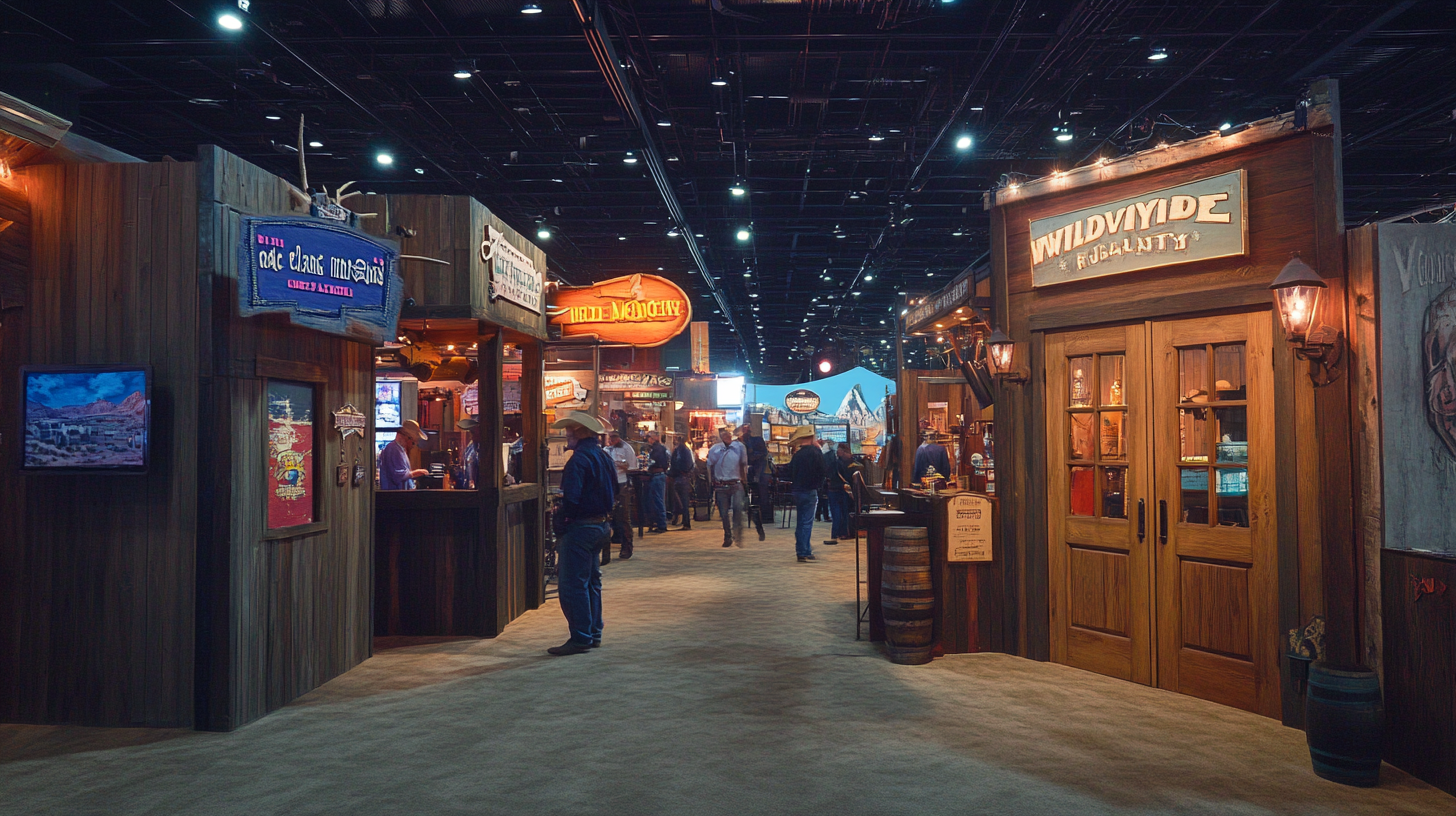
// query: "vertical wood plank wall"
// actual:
[[1286, 180], [281, 615], [97, 572]]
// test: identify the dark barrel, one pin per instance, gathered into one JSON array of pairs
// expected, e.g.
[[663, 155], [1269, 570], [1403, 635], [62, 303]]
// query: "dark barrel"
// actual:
[[1344, 720], [907, 599]]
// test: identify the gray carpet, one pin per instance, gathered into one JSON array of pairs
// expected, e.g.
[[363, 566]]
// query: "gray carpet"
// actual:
[[730, 683]]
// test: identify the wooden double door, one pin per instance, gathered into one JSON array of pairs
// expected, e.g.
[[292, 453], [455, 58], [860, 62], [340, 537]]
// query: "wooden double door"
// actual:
[[1161, 528]]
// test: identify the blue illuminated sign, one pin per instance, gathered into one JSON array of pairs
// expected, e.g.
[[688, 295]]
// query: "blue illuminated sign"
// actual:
[[323, 276]]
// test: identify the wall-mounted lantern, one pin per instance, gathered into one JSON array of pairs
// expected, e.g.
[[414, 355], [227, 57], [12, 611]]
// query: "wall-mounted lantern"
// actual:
[[1000, 354], [1297, 294]]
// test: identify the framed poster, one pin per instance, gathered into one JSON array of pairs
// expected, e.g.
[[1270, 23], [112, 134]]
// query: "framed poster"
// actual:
[[968, 528], [291, 442]]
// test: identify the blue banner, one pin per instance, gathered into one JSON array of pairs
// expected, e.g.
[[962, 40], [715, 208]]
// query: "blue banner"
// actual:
[[323, 276]]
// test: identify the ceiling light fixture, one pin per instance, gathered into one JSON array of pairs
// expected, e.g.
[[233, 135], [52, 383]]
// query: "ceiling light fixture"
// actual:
[[315, 144], [630, 158], [718, 82], [1157, 54], [877, 137], [464, 69], [542, 231], [738, 188], [384, 159], [673, 233], [1063, 133], [530, 8], [744, 234], [664, 123], [963, 143], [231, 22]]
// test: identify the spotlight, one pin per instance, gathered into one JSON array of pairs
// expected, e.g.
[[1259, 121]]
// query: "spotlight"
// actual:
[[738, 188], [673, 233], [273, 116], [542, 231], [664, 123], [530, 8], [869, 278], [1063, 133], [744, 235], [1225, 125], [231, 22], [963, 143], [384, 159], [464, 69], [718, 82], [315, 144], [877, 137], [630, 158], [420, 170], [1157, 54]]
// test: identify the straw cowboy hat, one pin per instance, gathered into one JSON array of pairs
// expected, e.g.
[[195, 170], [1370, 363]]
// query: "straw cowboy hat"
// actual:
[[801, 432], [582, 419], [412, 429]]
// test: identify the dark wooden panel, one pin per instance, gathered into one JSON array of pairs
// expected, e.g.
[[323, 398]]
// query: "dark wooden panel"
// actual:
[[100, 625], [1214, 615], [284, 613], [1420, 666], [425, 573], [1100, 590]]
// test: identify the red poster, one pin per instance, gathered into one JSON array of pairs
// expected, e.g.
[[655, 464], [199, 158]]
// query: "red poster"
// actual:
[[290, 454]]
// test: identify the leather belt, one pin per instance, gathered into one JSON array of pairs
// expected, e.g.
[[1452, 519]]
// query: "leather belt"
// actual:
[[590, 520], [725, 484]]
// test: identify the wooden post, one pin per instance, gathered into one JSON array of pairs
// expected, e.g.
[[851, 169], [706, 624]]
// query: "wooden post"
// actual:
[[533, 466], [489, 603]]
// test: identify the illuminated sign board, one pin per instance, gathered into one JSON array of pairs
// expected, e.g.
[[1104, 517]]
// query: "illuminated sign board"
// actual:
[[1196, 221], [639, 310], [801, 401], [324, 276]]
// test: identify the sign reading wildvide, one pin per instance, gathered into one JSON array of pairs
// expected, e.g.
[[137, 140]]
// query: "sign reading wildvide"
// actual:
[[513, 275], [1195, 221]]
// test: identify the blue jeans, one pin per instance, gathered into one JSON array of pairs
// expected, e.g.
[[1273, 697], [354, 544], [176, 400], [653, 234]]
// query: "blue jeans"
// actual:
[[839, 508], [579, 579], [657, 501], [805, 503]]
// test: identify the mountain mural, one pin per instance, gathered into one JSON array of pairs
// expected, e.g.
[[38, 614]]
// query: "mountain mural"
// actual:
[[854, 410], [134, 405]]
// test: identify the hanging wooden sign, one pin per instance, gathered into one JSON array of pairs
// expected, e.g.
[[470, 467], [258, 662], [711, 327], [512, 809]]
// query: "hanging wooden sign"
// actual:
[[1196, 221], [639, 310]]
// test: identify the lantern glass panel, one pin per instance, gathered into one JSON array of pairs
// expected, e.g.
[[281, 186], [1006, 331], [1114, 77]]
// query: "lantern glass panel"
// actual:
[[1297, 308]]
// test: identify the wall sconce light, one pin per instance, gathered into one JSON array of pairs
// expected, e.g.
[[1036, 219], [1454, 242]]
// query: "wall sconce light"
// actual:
[[1297, 290], [1000, 353]]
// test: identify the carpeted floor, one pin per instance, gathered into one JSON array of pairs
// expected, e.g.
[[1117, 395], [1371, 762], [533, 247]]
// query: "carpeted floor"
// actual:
[[729, 683]]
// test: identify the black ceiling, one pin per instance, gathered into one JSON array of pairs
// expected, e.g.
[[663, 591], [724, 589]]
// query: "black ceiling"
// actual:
[[840, 116]]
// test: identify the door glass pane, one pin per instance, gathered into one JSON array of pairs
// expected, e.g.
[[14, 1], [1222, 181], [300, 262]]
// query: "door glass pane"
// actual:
[[1110, 383], [1233, 497], [1193, 434], [1081, 436], [1111, 435], [1228, 372], [1193, 375], [1233, 434], [1079, 372], [1194, 509], [1114, 501], [1084, 492]]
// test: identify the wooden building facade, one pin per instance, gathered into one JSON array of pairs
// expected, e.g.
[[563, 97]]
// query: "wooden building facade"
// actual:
[[1175, 490]]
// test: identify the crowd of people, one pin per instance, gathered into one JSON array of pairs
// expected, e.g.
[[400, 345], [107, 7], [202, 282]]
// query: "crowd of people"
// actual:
[[595, 510]]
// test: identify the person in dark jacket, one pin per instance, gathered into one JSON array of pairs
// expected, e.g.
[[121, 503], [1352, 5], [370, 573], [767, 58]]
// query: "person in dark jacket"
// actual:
[[839, 487], [657, 464], [822, 511], [758, 462], [930, 454], [681, 467], [588, 491], [806, 476]]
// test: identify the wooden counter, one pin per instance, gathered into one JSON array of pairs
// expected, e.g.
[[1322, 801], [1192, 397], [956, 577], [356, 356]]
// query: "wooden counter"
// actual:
[[441, 567]]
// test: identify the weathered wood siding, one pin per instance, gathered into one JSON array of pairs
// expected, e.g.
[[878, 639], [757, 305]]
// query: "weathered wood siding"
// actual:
[[97, 572], [280, 616]]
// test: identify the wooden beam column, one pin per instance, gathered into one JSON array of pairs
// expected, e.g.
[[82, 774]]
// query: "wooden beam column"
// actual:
[[490, 590]]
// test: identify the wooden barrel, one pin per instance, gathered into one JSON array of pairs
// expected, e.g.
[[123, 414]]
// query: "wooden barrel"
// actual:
[[1344, 723], [907, 599]]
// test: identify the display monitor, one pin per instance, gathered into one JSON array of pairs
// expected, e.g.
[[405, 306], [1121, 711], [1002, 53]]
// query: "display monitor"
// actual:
[[79, 419], [730, 392], [387, 407]]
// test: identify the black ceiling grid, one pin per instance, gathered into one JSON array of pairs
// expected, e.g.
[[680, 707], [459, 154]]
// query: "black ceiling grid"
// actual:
[[842, 116]]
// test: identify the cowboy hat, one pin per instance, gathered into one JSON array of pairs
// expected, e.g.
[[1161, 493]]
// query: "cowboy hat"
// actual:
[[582, 419], [412, 429], [801, 432]]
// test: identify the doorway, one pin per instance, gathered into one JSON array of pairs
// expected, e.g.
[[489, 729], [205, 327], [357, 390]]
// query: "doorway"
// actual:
[[1160, 502]]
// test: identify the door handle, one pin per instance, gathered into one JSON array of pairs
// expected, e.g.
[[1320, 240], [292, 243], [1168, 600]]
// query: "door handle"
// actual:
[[1162, 521], [1142, 522]]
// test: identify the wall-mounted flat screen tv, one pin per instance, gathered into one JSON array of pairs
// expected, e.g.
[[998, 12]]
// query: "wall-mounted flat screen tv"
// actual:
[[86, 419]]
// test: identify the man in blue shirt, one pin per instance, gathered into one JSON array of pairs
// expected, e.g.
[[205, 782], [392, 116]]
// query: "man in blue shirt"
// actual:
[[728, 470], [930, 454], [394, 469], [588, 491], [657, 464]]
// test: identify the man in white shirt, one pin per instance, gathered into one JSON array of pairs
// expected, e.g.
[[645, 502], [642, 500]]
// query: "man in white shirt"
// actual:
[[728, 470], [624, 457]]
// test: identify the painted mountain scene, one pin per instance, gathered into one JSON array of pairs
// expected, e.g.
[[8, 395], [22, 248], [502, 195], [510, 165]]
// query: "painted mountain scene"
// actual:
[[85, 419]]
